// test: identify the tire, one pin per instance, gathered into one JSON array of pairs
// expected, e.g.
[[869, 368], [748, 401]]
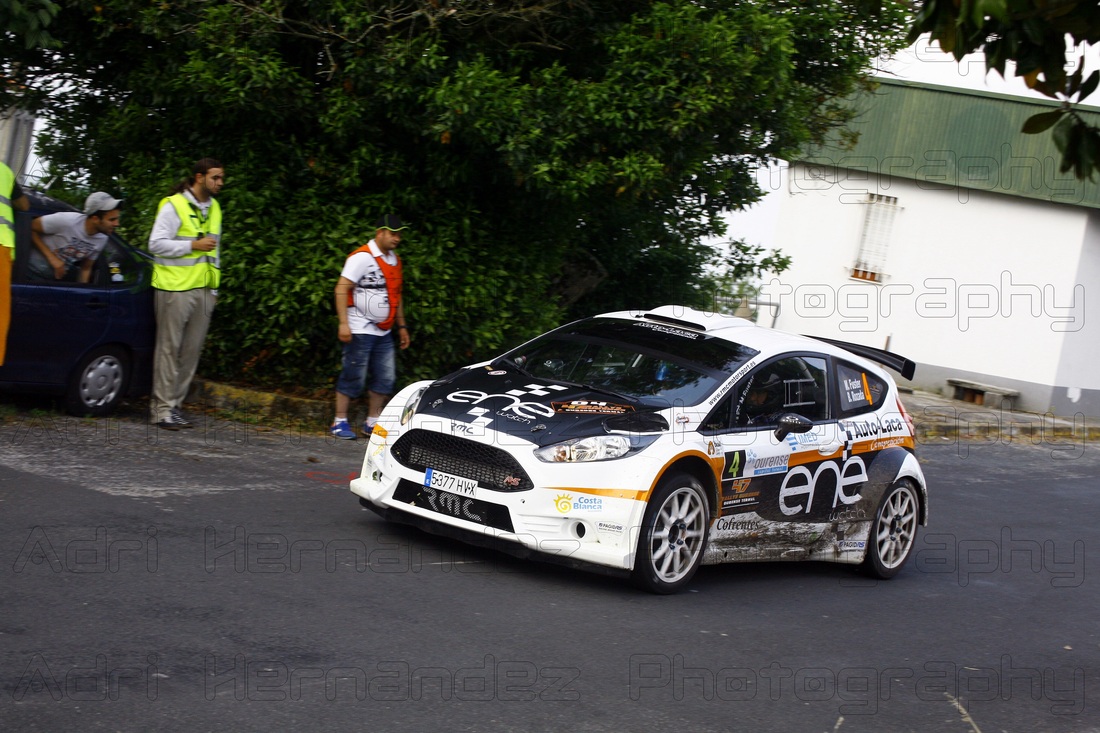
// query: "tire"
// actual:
[[98, 383], [894, 531], [673, 536]]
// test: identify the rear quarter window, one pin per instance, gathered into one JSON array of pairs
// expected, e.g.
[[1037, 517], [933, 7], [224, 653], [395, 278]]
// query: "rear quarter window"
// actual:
[[858, 389]]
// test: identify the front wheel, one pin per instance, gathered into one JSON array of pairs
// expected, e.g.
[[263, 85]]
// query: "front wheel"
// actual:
[[893, 532], [98, 382], [674, 533]]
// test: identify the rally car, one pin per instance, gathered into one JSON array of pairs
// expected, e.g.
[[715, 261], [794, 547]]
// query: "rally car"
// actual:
[[648, 443]]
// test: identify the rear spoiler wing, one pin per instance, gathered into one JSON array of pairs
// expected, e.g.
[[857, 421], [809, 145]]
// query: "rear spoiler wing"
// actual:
[[905, 367]]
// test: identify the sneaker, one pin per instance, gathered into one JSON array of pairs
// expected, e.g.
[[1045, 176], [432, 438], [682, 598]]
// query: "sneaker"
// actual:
[[342, 430], [181, 421], [368, 428], [173, 422]]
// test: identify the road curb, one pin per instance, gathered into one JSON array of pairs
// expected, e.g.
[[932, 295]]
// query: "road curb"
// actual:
[[262, 406]]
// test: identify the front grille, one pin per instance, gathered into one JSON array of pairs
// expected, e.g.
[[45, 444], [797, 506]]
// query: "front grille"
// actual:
[[491, 467]]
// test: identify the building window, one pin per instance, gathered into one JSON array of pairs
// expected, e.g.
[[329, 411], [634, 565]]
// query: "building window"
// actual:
[[878, 223]]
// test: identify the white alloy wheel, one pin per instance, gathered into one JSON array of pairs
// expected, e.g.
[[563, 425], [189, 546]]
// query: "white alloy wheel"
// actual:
[[894, 531], [673, 535]]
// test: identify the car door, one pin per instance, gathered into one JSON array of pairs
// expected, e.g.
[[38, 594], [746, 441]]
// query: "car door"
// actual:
[[53, 323], [775, 487]]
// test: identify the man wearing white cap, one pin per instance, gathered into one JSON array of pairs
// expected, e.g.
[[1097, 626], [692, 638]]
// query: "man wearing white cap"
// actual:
[[69, 242], [370, 313]]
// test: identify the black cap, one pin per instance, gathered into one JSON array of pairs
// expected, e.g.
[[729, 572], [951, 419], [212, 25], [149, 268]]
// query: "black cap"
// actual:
[[390, 221]]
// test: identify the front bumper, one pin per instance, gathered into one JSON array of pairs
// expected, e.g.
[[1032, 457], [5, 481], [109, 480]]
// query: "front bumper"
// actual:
[[585, 518]]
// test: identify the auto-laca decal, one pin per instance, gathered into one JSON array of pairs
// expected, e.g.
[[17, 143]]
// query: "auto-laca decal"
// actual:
[[791, 481]]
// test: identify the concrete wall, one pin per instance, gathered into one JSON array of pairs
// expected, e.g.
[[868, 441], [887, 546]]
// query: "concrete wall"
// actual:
[[16, 138], [983, 284], [1077, 372]]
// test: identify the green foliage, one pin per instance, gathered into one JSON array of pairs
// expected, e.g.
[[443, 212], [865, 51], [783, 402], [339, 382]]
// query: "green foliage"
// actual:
[[27, 21], [554, 158], [1037, 35]]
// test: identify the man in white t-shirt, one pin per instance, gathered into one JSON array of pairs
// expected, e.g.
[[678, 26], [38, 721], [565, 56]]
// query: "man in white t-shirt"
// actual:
[[369, 309], [69, 242]]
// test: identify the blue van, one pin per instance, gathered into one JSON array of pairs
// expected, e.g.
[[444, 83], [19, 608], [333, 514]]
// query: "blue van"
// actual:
[[91, 342]]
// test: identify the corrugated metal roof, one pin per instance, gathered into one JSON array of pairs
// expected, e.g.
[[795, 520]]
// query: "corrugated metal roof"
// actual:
[[958, 138]]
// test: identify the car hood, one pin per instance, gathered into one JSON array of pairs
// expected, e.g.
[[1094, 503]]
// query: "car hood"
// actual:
[[538, 410]]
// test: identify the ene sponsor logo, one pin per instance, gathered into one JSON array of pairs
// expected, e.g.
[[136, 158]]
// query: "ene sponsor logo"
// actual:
[[515, 407], [610, 527], [800, 484], [849, 545], [565, 503]]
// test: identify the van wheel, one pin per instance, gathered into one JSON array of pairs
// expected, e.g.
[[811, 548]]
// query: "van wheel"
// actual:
[[98, 383]]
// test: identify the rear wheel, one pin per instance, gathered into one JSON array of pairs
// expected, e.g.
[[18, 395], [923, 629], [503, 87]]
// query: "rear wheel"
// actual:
[[674, 533], [98, 382], [894, 531]]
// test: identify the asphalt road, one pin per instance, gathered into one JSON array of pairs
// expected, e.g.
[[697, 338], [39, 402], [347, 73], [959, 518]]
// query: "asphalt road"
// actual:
[[224, 578]]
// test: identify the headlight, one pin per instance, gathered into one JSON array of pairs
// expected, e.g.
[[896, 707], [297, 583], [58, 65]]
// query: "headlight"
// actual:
[[411, 405], [595, 448]]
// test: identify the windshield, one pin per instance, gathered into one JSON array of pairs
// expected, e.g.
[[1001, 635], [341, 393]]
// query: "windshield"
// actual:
[[654, 364]]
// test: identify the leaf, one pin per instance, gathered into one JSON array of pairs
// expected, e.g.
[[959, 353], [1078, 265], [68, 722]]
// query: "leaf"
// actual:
[[1062, 133], [1089, 86], [1042, 121]]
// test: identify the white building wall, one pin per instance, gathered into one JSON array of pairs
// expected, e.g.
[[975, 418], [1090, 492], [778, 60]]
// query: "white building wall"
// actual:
[[976, 283], [1077, 371]]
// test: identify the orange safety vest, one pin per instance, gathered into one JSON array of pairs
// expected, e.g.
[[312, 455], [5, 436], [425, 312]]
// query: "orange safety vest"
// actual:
[[392, 274]]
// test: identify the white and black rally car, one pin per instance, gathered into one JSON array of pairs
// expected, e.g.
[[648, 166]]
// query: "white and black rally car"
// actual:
[[648, 443]]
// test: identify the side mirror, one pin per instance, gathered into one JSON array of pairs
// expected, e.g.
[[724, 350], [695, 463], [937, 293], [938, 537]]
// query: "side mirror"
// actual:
[[792, 423]]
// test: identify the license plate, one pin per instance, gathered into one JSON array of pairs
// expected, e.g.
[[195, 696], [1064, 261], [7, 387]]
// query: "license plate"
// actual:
[[448, 482]]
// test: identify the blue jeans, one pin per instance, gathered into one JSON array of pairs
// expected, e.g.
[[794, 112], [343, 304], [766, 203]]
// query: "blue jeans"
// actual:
[[368, 353]]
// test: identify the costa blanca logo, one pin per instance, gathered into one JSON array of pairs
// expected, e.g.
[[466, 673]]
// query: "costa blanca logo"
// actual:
[[565, 503]]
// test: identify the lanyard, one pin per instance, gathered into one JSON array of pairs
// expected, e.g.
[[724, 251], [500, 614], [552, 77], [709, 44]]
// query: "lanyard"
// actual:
[[198, 219]]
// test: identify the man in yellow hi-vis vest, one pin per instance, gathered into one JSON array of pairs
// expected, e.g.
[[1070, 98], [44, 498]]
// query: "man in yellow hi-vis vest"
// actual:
[[11, 198], [185, 245]]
